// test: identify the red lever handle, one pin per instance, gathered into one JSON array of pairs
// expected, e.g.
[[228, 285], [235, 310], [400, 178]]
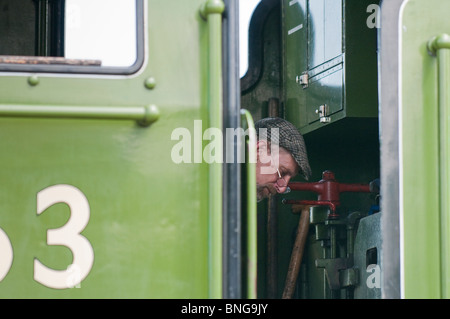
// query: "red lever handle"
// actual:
[[328, 190]]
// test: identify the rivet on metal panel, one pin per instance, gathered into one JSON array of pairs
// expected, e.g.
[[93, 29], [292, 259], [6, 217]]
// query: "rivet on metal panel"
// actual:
[[150, 83], [33, 80]]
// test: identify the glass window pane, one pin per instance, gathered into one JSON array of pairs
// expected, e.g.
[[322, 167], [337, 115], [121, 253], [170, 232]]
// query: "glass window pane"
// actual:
[[102, 30], [246, 9]]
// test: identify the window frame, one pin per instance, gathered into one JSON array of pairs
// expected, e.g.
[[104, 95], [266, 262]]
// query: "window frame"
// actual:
[[70, 68]]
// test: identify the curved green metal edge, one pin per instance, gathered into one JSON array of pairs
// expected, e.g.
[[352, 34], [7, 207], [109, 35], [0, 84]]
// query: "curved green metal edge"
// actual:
[[251, 206]]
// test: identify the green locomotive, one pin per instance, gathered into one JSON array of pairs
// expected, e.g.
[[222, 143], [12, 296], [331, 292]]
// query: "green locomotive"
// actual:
[[123, 124]]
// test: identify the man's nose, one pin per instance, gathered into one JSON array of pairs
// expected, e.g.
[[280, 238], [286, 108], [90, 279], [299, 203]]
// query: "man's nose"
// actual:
[[280, 189], [283, 189]]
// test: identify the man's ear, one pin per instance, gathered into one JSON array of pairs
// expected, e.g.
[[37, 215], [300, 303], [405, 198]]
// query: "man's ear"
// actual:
[[262, 151], [261, 146]]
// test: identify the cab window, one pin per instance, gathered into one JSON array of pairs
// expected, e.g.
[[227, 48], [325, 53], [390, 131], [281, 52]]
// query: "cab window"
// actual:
[[80, 36]]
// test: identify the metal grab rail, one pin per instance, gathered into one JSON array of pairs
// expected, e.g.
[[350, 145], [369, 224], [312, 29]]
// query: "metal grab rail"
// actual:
[[143, 115], [252, 262], [211, 11], [435, 46]]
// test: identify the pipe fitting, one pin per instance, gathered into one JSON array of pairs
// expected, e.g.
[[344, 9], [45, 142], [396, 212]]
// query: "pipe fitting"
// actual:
[[212, 7]]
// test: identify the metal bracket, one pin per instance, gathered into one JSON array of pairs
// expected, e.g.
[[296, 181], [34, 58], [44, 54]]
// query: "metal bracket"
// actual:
[[332, 270], [303, 79], [323, 112]]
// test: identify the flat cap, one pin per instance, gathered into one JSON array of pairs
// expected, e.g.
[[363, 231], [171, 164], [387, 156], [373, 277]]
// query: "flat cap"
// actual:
[[288, 137]]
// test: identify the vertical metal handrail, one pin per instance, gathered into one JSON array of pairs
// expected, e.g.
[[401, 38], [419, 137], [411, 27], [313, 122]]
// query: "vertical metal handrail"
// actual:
[[247, 119], [212, 11], [435, 48]]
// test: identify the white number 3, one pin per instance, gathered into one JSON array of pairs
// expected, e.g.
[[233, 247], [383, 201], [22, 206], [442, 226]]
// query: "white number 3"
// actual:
[[67, 235]]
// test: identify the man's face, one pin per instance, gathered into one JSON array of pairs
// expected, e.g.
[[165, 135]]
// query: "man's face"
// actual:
[[269, 159]]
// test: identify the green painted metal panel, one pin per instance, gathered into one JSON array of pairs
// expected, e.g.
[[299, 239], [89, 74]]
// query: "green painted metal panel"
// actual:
[[424, 213], [295, 37], [149, 217], [324, 31], [329, 59]]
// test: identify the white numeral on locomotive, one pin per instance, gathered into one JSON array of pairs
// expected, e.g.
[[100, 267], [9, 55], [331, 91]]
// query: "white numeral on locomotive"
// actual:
[[67, 235], [6, 254]]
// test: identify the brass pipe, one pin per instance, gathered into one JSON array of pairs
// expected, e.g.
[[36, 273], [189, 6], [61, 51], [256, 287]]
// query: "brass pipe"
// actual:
[[297, 253]]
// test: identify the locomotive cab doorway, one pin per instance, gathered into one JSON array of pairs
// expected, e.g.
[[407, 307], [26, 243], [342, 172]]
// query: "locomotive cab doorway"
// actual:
[[314, 63]]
